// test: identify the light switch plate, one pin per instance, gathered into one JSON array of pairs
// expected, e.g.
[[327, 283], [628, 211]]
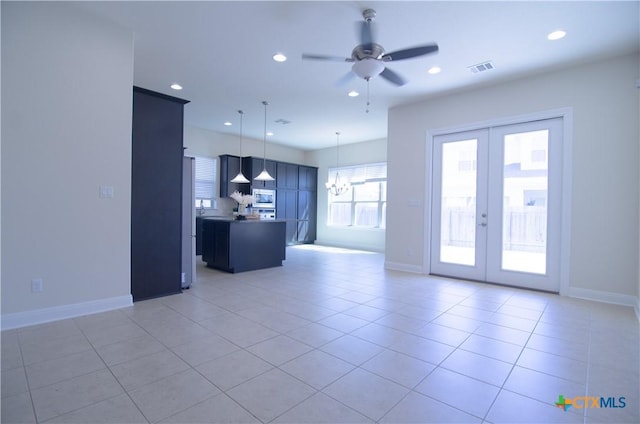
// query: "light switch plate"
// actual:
[[36, 285], [106, 192]]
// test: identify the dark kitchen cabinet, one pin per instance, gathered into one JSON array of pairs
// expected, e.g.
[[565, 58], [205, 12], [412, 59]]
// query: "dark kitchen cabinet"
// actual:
[[286, 209], [156, 194], [199, 228], [237, 246], [297, 205], [307, 178], [296, 191], [253, 166], [306, 210], [229, 168], [287, 176]]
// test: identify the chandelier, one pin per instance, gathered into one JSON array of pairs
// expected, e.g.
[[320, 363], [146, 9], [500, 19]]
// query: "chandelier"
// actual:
[[338, 186]]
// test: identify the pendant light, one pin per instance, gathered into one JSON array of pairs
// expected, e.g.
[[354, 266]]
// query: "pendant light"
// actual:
[[240, 178], [337, 187], [264, 175]]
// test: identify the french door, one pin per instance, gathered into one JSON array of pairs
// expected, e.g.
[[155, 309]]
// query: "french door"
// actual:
[[496, 204]]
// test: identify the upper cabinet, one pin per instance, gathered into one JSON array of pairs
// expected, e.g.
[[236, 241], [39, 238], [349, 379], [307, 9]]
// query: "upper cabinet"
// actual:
[[253, 166], [296, 191], [229, 168], [307, 178], [287, 175]]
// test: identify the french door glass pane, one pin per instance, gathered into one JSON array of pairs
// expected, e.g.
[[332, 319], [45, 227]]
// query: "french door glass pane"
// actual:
[[525, 188], [458, 220]]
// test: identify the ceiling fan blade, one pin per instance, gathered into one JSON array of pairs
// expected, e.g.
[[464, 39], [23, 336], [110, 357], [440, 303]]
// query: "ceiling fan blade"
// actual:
[[411, 52], [325, 57], [392, 77], [346, 78]]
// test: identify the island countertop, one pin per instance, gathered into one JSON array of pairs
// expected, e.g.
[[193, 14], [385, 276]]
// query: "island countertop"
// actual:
[[233, 219], [245, 245]]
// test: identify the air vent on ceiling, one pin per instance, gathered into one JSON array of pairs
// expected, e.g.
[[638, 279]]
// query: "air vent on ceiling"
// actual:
[[282, 121], [481, 67]]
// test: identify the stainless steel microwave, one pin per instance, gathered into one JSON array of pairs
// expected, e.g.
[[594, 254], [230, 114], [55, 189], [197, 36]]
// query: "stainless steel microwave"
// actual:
[[264, 198]]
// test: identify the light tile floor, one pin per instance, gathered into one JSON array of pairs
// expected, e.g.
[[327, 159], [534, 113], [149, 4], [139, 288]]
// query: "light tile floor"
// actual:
[[329, 337]]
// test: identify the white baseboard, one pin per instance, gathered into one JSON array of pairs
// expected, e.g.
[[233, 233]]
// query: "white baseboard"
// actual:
[[398, 266], [349, 246], [603, 296], [577, 292], [41, 316]]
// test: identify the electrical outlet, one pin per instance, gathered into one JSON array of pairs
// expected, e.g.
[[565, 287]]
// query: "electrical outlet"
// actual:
[[36, 285]]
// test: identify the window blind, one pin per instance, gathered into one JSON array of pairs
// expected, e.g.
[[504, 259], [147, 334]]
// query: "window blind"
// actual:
[[206, 171], [360, 173]]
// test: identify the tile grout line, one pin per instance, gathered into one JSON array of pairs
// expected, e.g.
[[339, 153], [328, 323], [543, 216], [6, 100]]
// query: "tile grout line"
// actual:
[[513, 367]]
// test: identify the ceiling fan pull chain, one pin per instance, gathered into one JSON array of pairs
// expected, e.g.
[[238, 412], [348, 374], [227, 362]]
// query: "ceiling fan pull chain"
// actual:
[[368, 102]]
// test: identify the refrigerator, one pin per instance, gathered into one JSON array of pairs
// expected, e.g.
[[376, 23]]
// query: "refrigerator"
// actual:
[[188, 222]]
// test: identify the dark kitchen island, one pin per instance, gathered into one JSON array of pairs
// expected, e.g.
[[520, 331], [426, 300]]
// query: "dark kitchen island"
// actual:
[[237, 246]]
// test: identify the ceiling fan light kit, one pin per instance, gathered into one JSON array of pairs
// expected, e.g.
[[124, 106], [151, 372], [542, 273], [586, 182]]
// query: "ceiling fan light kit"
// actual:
[[368, 68], [369, 58]]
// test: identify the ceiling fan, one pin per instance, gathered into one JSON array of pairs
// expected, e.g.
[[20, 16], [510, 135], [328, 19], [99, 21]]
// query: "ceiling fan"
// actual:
[[369, 58]]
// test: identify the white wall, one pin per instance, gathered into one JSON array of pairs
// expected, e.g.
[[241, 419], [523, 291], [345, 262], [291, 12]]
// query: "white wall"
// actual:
[[605, 228], [66, 115], [202, 142], [350, 154]]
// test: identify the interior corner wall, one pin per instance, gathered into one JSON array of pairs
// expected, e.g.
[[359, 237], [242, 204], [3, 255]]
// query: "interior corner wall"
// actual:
[[374, 151], [605, 194], [67, 82]]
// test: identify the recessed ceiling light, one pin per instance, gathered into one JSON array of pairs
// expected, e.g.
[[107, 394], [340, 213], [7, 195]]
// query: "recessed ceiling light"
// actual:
[[279, 57], [556, 35], [434, 70], [353, 93], [228, 124], [176, 86]]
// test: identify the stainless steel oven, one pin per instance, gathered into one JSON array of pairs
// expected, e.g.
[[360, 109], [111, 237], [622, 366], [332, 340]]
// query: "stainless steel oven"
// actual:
[[266, 214], [265, 199]]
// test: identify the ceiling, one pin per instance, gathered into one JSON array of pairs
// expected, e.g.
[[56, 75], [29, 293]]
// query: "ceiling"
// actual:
[[221, 53]]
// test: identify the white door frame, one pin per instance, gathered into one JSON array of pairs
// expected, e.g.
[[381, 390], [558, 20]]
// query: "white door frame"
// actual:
[[566, 114]]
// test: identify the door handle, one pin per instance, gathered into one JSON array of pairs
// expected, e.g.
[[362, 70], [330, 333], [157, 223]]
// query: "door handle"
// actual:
[[483, 224]]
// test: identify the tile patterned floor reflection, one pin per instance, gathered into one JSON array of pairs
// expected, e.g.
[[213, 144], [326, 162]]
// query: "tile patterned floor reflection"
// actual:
[[329, 337]]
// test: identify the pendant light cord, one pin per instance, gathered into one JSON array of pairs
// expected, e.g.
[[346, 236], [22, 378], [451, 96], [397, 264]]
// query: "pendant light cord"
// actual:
[[337, 155], [241, 114], [337, 149], [264, 137]]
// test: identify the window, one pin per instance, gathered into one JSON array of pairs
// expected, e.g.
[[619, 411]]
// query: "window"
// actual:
[[205, 184], [365, 204]]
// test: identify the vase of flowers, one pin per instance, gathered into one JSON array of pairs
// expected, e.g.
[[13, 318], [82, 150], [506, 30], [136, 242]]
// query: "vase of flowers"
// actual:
[[243, 201]]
